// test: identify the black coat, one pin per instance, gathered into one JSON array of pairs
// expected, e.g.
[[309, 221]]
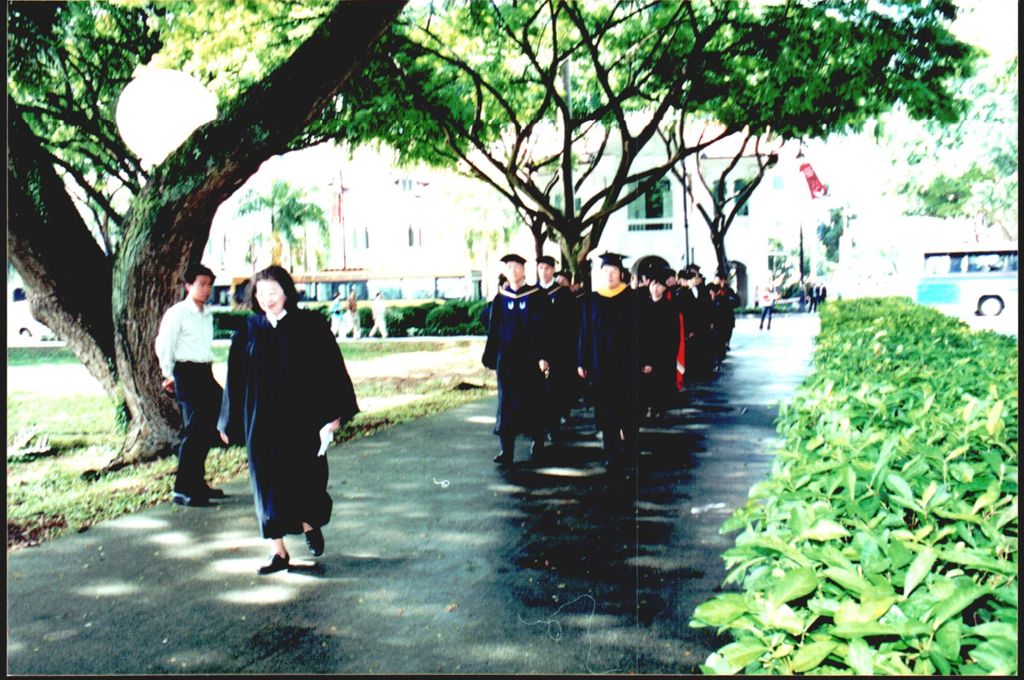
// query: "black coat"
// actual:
[[283, 385], [561, 331], [659, 344], [515, 346], [609, 351]]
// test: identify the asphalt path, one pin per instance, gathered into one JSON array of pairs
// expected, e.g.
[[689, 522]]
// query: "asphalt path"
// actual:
[[437, 560]]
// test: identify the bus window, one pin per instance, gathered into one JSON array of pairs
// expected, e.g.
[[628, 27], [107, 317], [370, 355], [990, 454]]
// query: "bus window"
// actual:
[[984, 262], [936, 265]]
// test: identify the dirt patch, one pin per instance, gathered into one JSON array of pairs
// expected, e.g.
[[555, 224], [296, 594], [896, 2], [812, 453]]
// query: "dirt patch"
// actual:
[[20, 537]]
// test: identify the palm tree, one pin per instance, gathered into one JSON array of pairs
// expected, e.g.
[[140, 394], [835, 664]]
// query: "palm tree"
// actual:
[[290, 216]]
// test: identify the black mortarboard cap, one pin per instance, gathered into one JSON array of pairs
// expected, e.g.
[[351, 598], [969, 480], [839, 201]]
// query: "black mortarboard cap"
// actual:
[[613, 259], [546, 259], [660, 274], [685, 274], [512, 257]]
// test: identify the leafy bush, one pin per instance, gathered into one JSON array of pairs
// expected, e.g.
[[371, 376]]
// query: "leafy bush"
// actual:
[[885, 539], [446, 316], [225, 323], [455, 317]]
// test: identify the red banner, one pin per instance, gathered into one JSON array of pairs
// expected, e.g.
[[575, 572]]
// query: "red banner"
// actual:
[[813, 183]]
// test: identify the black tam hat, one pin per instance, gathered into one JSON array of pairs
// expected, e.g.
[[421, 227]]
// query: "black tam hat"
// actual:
[[661, 275], [546, 259], [612, 259], [512, 257]]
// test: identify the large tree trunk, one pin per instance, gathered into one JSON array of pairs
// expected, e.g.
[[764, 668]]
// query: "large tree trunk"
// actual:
[[169, 222], [66, 274]]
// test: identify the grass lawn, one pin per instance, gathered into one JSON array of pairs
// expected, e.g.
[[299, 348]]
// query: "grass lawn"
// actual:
[[48, 494]]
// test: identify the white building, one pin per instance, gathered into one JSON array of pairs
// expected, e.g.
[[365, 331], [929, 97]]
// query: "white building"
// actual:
[[421, 232]]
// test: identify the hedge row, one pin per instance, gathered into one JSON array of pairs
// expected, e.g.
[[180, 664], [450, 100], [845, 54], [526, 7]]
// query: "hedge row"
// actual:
[[454, 317], [885, 539]]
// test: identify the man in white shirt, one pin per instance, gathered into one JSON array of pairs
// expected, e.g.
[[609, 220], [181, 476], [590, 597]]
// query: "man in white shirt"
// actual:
[[184, 347]]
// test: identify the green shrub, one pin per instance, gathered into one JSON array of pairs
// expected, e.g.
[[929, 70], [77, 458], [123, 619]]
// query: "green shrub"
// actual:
[[445, 317], [885, 539], [225, 323]]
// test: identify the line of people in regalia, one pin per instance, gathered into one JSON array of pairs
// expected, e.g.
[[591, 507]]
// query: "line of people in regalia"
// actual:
[[627, 347]]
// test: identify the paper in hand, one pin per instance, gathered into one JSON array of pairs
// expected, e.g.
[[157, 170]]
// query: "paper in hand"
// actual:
[[326, 437]]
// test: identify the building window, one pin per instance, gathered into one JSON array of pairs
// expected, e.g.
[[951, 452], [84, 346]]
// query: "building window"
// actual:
[[653, 210], [738, 186]]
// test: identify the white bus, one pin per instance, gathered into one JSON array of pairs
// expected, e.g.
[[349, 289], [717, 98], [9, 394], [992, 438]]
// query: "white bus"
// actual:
[[969, 280]]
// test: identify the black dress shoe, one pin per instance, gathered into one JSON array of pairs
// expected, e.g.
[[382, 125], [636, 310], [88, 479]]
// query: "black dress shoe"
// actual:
[[213, 493], [315, 542], [275, 563], [503, 459], [195, 501]]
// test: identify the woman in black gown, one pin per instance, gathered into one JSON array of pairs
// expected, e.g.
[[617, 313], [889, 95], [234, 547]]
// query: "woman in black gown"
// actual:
[[286, 387]]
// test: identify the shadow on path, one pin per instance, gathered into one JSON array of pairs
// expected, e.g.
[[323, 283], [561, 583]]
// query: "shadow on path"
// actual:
[[437, 560]]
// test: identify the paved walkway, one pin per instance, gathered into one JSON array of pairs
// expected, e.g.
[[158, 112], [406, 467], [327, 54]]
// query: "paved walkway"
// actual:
[[437, 561]]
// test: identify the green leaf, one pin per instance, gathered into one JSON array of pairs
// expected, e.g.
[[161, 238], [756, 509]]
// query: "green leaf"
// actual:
[[784, 618], [994, 424], [848, 579], [809, 657], [794, 584], [860, 657], [721, 610], [947, 639], [736, 656], [987, 498], [979, 560], [994, 630], [825, 530], [899, 485], [998, 657], [918, 569], [900, 629], [899, 553], [964, 595], [941, 663]]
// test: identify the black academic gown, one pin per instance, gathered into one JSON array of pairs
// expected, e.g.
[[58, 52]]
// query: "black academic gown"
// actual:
[[659, 345], [515, 346], [697, 316], [561, 328], [609, 351], [283, 385]]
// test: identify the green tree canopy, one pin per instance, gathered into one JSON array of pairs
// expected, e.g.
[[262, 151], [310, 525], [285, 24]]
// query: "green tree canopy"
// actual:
[[67, 65], [532, 97], [968, 168]]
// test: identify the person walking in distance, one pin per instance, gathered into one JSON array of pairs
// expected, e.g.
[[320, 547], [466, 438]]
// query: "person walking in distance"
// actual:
[[287, 392], [380, 321], [184, 349], [338, 315], [352, 314], [659, 345], [769, 295], [608, 358], [561, 333], [516, 351]]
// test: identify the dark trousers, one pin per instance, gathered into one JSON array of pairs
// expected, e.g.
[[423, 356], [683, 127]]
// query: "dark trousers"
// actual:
[[767, 311], [199, 396]]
